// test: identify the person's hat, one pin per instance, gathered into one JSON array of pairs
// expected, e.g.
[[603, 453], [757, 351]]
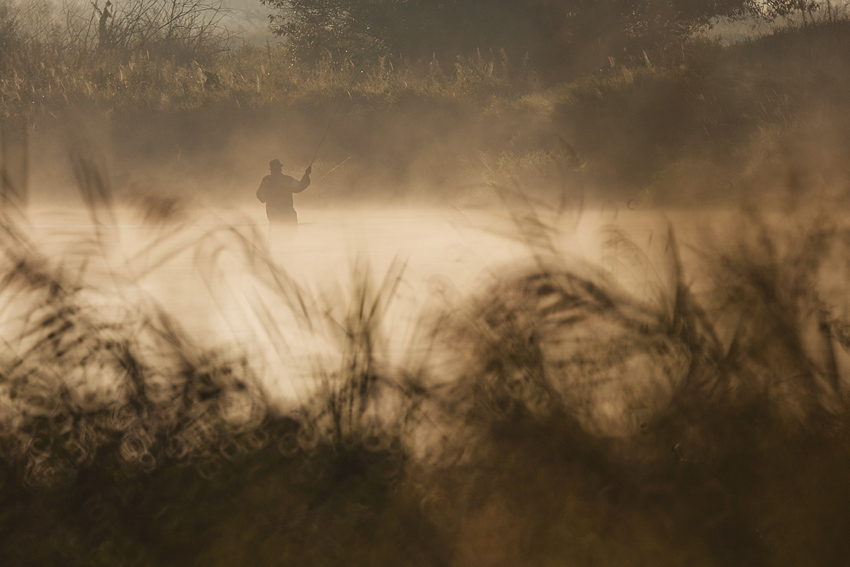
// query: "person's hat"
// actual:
[[275, 163]]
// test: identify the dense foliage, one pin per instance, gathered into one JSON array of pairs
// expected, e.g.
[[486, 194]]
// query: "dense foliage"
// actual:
[[559, 36]]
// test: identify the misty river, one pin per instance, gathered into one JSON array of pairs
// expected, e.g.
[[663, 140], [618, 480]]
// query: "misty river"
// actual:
[[215, 275]]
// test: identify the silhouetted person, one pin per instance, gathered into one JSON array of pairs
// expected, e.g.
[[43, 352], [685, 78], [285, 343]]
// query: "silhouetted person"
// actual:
[[276, 192]]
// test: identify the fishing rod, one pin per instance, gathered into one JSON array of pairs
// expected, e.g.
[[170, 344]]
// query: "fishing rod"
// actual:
[[327, 129]]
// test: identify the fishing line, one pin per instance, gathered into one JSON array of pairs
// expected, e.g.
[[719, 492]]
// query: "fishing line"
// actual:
[[343, 162]]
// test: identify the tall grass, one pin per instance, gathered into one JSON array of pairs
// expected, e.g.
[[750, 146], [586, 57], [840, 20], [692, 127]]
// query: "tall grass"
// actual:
[[557, 418], [125, 440]]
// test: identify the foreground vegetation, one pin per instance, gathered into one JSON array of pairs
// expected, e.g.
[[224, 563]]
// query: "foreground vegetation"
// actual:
[[556, 419]]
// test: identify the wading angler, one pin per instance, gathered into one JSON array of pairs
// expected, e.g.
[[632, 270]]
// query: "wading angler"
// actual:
[[276, 192]]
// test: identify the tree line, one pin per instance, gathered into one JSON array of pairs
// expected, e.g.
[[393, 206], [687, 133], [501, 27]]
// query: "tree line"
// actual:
[[555, 34]]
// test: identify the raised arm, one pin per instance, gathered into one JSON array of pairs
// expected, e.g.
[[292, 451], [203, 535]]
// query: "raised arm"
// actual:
[[305, 180]]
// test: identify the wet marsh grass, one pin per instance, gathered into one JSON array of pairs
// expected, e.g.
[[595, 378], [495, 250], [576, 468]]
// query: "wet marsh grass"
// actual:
[[559, 419]]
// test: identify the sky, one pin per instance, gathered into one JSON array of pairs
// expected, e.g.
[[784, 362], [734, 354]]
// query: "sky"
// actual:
[[248, 17]]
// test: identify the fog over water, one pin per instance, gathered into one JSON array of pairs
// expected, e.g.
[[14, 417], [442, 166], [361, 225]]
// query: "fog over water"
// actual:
[[206, 271]]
